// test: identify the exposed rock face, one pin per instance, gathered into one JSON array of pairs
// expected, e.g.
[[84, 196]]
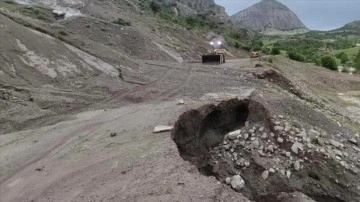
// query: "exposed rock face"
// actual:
[[269, 17], [206, 8]]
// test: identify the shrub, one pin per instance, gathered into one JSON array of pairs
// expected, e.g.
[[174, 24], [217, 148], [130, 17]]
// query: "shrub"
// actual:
[[329, 62], [275, 51], [265, 50], [121, 22], [357, 61], [343, 57], [296, 56], [270, 60]]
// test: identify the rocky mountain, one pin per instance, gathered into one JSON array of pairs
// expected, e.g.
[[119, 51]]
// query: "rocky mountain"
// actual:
[[206, 8], [269, 17]]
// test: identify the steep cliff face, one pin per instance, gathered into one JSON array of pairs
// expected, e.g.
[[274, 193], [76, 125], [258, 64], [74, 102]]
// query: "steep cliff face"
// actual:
[[269, 16], [206, 8]]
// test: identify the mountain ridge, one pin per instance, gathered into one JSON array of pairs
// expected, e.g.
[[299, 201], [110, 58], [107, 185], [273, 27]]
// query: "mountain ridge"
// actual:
[[269, 17]]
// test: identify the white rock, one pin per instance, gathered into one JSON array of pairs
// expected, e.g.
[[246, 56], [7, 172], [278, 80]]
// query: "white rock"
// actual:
[[288, 173], [288, 154], [180, 102], [272, 134], [255, 144], [237, 182], [297, 165], [270, 148], [336, 144], [313, 133], [272, 170], [278, 128], [264, 136], [296, 146], [261, 129], [302, 134], [228, 180], [162, 128], [234, 134], [246, 136], [265, 174], [280, 140]]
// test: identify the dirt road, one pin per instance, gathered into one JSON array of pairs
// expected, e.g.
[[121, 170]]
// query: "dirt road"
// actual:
[[78, 160]]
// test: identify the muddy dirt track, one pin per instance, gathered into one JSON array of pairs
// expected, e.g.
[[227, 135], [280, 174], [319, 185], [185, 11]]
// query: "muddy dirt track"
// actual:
[[77, 160]]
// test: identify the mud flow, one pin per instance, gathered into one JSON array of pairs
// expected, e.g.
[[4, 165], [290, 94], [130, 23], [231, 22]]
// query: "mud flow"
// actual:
[[240, 137]]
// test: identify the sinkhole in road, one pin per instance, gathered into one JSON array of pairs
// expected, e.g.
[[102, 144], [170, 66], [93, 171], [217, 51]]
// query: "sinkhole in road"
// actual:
[[198, 131]]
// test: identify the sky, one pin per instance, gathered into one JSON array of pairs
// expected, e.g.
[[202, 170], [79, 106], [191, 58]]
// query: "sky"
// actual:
[[315, 14]]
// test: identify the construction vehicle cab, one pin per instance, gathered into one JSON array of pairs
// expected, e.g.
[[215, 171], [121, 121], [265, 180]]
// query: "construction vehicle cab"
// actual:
[[216, 54]]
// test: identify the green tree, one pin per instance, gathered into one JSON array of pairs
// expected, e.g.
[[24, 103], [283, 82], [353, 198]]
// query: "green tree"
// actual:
[[294, 55], [275, 51], [343, 57], [329, 62]]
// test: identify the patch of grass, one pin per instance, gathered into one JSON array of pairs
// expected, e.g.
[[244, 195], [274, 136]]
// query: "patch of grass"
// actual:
[[121, 22]]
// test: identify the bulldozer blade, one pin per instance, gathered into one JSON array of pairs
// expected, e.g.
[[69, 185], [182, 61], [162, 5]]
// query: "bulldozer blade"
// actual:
[[212, 59]]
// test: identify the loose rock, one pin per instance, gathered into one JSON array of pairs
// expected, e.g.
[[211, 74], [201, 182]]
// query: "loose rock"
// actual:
[[265, 174], [237, 182], [162, 128], [297, 165]]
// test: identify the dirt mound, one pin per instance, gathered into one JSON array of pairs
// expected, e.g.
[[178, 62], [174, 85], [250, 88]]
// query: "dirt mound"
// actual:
[[271, 153]]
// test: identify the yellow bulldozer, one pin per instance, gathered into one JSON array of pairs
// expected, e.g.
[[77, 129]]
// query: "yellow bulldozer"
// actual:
[[216, 54]]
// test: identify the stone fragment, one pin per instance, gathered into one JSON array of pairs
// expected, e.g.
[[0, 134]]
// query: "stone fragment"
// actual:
[[180, 102], [287, 154], [353, 140], [237, 182], [228, 180], [261, 129], [296, 147], [280, 140], [297, 165], [335, 143], [272, 134], [302, 134], [272, 170], [270, 148], [265, 174], [246, 136], [255, 144], [234, 134], [278, 128], [288, 173], [162, 128], [313, 133], [264, 136]]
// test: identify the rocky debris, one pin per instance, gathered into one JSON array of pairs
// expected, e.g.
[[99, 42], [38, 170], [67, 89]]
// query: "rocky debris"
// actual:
[[293, 197], [237, 182], [162, 128], [113, 134]]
